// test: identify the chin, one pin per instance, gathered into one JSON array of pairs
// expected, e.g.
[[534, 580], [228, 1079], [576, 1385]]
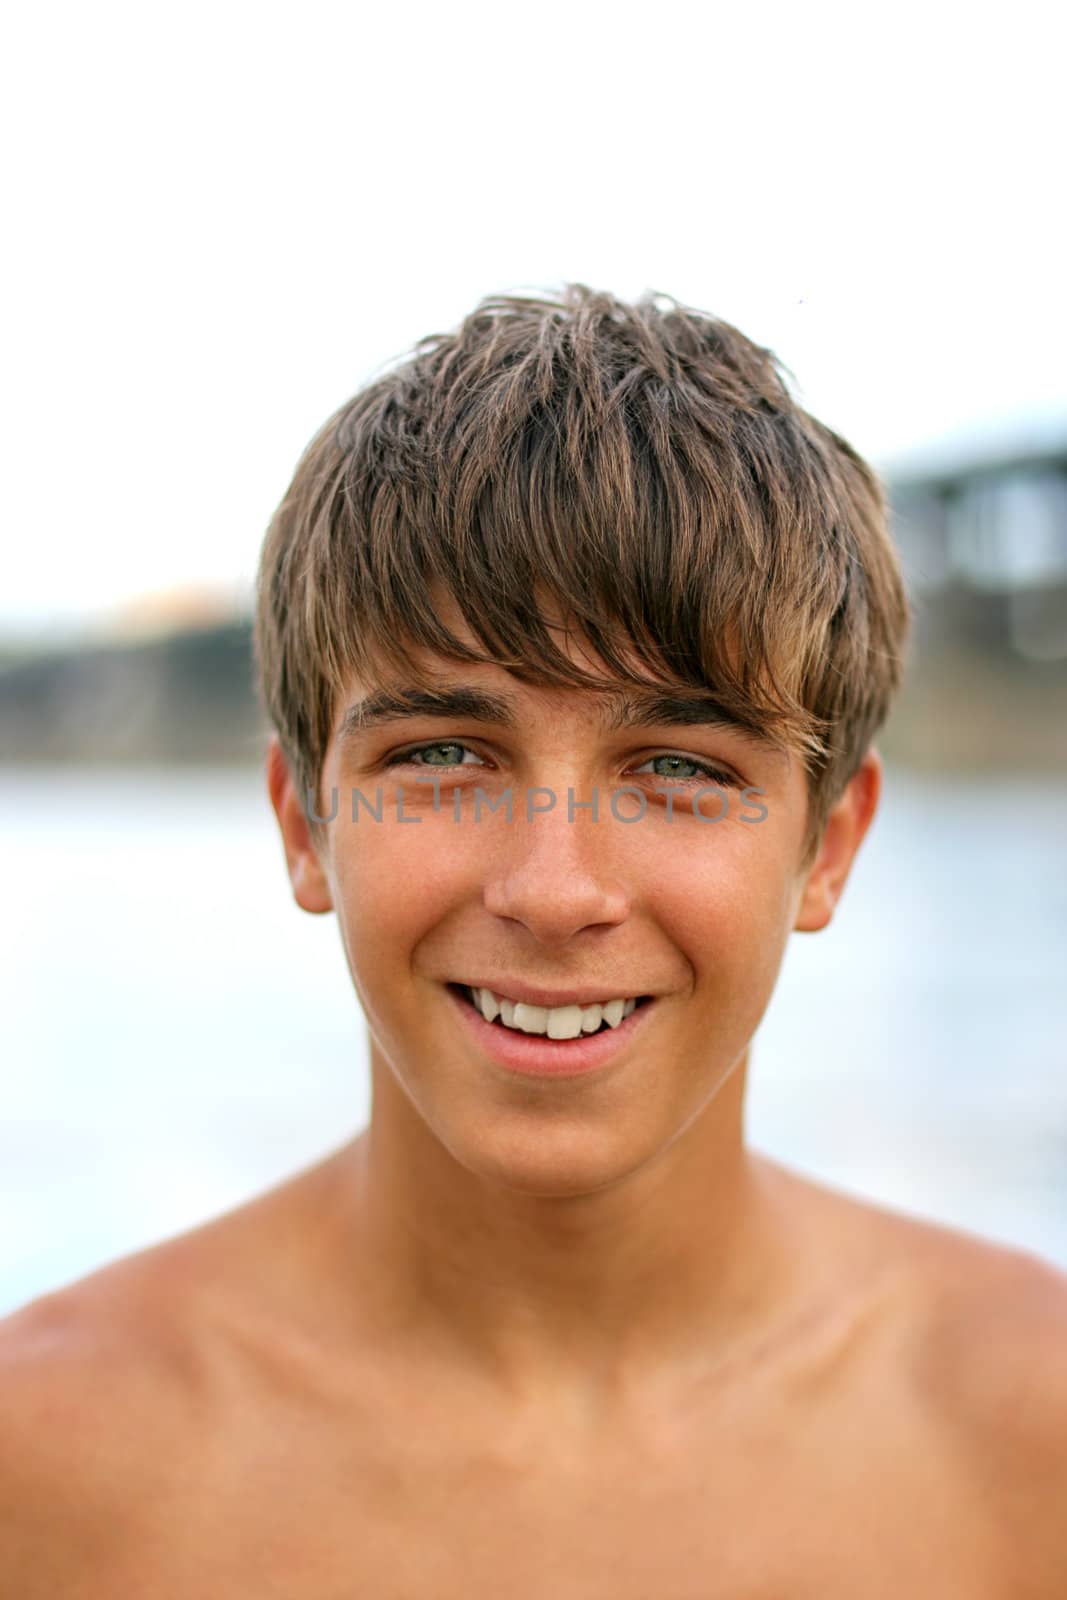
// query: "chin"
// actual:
[[553, 1160]]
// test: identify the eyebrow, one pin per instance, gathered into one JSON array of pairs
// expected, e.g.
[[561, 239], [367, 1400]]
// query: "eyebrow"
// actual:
[[626, 709]]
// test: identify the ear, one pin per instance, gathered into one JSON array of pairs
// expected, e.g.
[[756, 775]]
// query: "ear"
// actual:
[[310, 886], [842, 837]]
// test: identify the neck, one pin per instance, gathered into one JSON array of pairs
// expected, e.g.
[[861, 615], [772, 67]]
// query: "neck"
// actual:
[[670, 1268]]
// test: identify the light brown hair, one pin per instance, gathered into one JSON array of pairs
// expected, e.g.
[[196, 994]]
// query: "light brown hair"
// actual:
[[643, 465]]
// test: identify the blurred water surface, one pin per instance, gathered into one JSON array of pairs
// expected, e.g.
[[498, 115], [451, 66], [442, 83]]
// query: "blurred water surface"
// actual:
[[177, 1035]]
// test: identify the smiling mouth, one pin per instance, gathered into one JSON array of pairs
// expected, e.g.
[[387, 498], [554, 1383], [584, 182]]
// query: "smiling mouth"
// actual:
[[538, 1015]]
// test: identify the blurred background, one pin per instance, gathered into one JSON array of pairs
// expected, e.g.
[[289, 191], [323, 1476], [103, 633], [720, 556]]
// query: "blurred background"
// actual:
[[221, 221]]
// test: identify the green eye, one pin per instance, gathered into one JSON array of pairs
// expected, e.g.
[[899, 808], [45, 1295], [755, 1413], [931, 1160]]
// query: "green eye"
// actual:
[[406, 757], [673, 763], [702, 769]]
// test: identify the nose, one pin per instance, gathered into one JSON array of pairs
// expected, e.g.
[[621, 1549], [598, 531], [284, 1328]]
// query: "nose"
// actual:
[[554, 874]]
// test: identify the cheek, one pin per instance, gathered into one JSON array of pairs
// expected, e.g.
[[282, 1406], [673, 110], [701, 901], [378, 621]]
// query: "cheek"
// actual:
[[394, 883], [725, 904]]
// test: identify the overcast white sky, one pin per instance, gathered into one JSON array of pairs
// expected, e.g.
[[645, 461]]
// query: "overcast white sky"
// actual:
[[222, 218]]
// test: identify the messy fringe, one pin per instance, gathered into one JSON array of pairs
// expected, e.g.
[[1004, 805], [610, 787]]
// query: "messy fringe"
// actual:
[[643, 469]]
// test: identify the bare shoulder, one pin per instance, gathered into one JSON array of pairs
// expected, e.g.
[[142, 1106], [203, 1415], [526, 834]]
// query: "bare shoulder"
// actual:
[[138, 1401], [112, 1387], [74, 1382], [991, 1355], [978, 1348], [108, 1387], [992, 1344]]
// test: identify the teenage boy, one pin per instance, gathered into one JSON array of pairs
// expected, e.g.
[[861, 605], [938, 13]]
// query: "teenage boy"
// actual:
[[575, 632]]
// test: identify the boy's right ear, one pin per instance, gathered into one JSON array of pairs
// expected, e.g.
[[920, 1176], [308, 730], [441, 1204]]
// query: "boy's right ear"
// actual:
[[311, 888]]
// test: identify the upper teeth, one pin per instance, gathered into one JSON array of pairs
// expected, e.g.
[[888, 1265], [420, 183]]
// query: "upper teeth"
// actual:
[[558, 1022]]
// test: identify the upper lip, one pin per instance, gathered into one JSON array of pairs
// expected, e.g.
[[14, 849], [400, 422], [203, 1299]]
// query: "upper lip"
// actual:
[[529, 995]]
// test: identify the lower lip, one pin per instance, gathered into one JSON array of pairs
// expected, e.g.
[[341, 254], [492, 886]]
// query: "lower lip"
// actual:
[[538, 1056]]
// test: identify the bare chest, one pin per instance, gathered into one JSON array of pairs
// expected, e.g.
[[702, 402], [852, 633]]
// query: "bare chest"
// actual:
[[757, 1514]]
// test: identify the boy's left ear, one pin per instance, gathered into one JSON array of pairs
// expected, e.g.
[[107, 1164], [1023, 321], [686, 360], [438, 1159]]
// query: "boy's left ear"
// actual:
[[842, 837]]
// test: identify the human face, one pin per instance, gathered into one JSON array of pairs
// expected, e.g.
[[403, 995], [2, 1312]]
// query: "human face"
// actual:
[[690, 913]]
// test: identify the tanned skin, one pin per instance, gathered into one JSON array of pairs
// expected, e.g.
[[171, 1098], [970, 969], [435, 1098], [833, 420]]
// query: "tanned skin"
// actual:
[[541, 1339]]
